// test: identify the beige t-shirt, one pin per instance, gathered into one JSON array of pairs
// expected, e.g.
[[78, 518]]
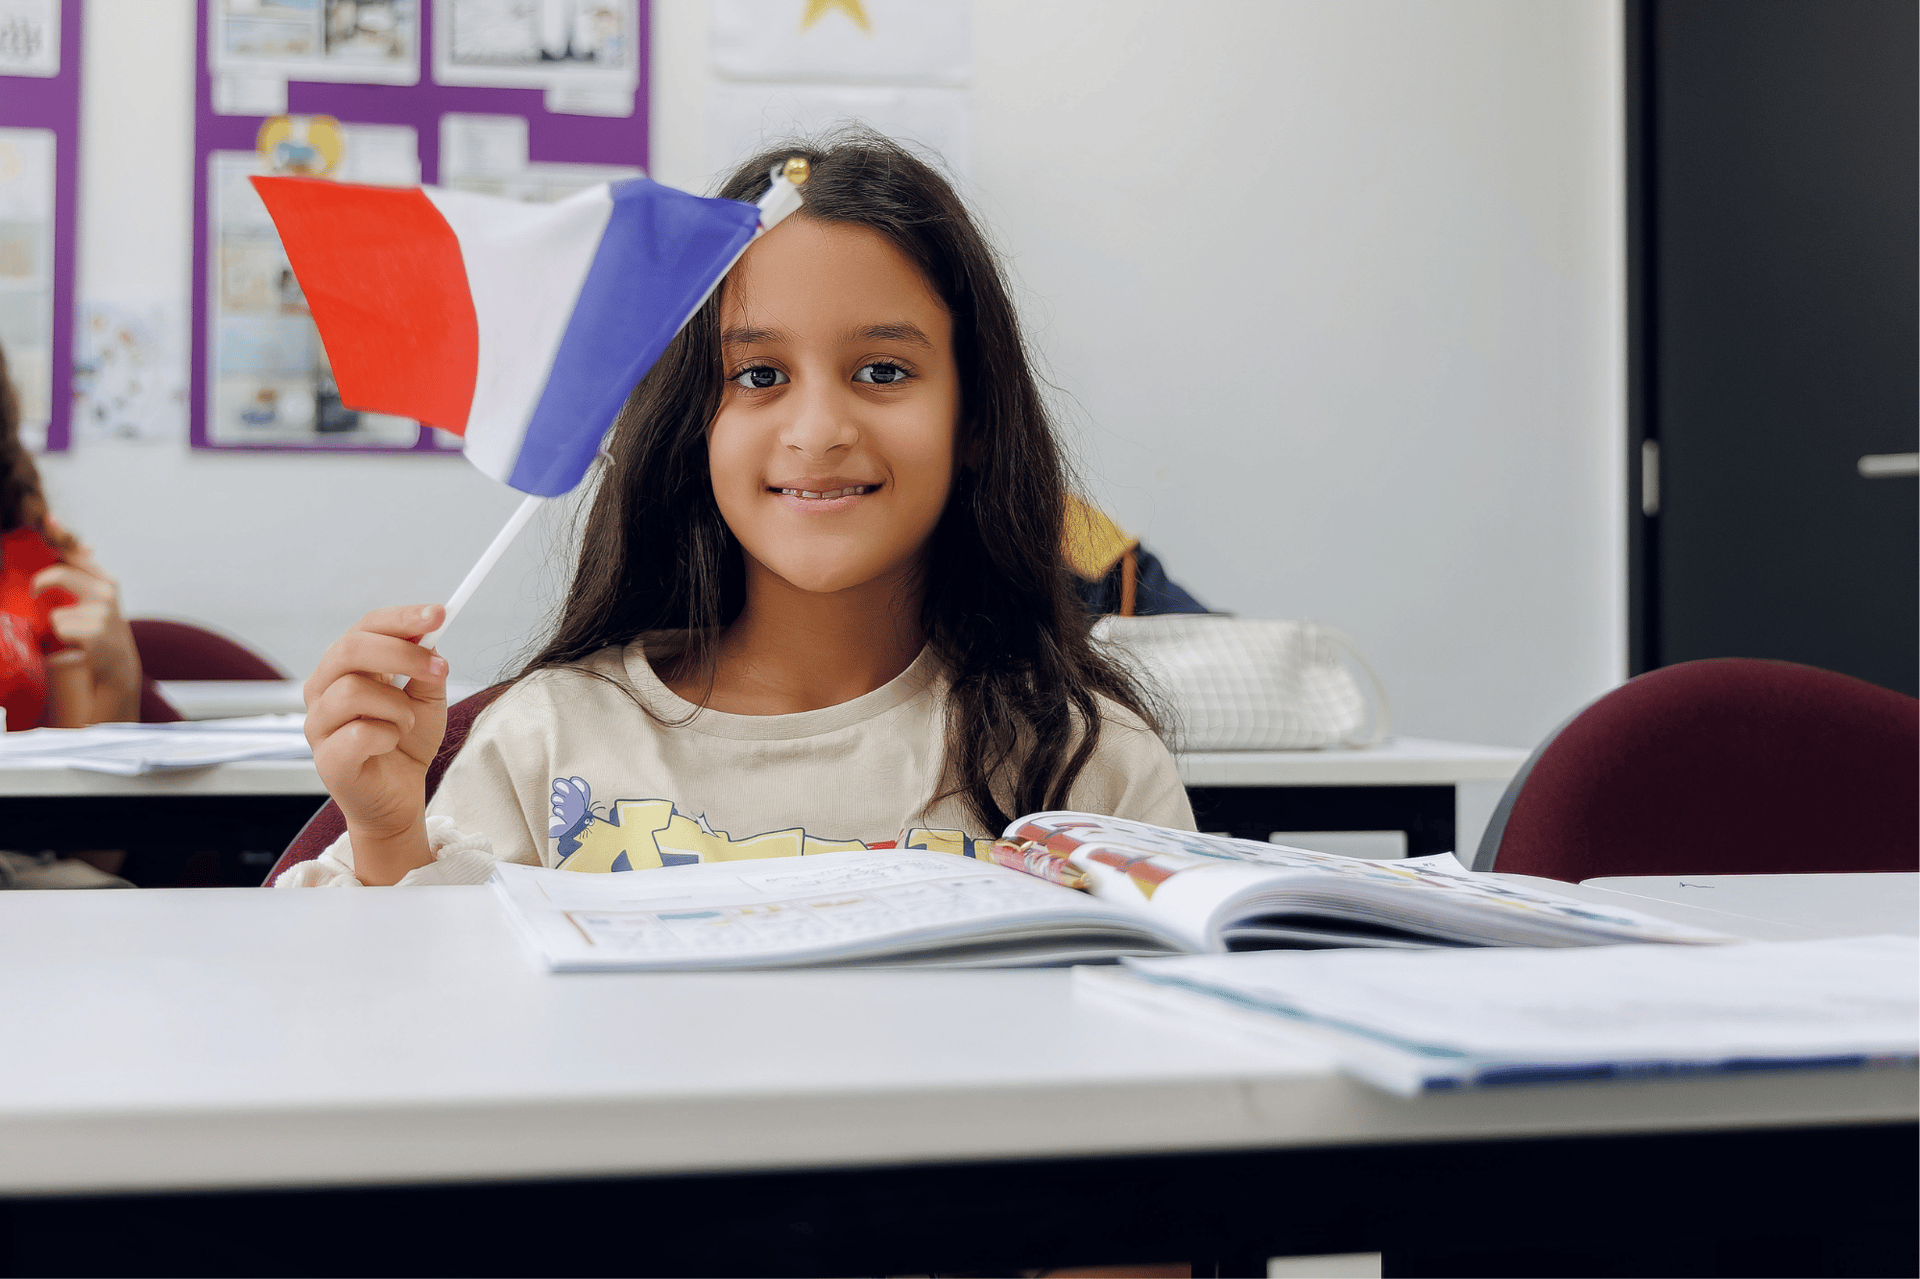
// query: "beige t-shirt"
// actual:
[[565, 770]]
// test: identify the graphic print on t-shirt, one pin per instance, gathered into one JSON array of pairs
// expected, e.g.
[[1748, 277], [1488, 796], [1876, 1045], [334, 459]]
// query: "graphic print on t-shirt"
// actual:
[[642, 834]]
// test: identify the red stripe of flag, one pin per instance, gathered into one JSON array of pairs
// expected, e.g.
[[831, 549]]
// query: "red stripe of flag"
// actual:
[[382, 272]]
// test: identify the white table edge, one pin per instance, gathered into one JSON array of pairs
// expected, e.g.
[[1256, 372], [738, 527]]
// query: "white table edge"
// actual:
[[481, 1141]]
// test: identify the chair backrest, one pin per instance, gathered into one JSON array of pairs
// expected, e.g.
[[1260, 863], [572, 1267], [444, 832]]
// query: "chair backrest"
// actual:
[[154, 707], [1726, 766], [330, 823], [181, 650]]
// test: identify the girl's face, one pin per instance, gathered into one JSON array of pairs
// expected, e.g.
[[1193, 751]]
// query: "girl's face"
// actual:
[[833, 450]]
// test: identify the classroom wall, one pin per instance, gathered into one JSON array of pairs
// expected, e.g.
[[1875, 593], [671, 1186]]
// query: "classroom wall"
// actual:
[[1330, 291]]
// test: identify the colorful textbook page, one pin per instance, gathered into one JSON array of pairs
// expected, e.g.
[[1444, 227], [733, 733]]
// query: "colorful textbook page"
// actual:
[[1154, 891]]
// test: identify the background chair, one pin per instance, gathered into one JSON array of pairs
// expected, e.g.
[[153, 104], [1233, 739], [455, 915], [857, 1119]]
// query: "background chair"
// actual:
[[1726, 766], [181, 650], [330, 823]]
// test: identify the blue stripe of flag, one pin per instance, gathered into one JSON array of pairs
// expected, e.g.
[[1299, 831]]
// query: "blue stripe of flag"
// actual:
[[661, 253]]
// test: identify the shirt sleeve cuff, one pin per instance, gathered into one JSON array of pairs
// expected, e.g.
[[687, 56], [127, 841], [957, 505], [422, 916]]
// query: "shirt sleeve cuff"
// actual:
[[458, 858]]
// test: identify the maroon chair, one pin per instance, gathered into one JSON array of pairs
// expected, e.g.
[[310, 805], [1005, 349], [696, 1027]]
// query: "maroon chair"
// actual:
[[330, 823], [1723, 767], [180, 650]]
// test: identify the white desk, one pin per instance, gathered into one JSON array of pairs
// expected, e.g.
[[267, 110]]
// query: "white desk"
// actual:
[[1398, 761], [1777, 907], [227, 1038], [1439, 794], [49, 778], [230, 698]]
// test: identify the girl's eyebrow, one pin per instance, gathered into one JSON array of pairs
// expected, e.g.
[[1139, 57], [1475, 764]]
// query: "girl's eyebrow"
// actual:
[[899, 332], [743, 336]]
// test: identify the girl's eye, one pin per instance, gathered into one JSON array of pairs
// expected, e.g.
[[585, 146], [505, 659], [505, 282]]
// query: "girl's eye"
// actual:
[[759, 378], [881, 373]]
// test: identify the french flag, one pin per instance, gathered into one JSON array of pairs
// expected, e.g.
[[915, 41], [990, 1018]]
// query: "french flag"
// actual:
[[520, 327]]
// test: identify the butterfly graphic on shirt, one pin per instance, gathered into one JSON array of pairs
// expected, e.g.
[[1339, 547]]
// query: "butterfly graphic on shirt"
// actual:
[[644, 834]]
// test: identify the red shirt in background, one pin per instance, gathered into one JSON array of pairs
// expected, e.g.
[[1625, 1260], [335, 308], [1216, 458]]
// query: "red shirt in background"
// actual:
[[26, 627]]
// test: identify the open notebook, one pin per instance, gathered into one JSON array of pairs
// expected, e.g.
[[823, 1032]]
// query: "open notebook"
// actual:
[[1154, 892]]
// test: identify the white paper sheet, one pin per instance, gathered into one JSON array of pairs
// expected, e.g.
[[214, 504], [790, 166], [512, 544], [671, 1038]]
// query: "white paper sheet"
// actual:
[[742, 118], [334, 41], [30, 37], [129, 750], [918, 42], [1414, 1021], [584, 52]]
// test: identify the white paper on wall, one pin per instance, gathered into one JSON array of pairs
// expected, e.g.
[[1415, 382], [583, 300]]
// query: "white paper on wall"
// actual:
[[26, 273], [30, 37], [585, 53], [487, 154], [743, 118], [337, 41], [922, 42], [130, 372]]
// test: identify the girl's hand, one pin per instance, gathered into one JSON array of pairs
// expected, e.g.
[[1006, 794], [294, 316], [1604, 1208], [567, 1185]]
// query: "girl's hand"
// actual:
[[372, 742], [93, 624]]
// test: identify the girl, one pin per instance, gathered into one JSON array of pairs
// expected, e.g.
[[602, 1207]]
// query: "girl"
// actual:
[[54, 597], [820, 600]]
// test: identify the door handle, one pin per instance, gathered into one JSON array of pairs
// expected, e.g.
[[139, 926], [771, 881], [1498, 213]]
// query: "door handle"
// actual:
[[1889, 466]]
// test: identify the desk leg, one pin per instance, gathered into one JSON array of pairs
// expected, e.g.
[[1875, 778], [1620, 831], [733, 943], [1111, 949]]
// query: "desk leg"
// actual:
[[1425, 813]]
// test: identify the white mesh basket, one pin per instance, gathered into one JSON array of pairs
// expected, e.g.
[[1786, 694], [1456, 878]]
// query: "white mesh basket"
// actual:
[[1250, 684]]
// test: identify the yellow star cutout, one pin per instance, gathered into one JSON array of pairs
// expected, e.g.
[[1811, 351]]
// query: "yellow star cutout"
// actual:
[[817, 9]]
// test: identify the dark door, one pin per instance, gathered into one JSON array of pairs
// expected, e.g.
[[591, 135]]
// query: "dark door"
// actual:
[[1773, 302]]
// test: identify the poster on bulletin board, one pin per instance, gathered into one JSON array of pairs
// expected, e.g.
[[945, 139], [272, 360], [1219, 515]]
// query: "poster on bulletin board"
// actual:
[[528, 100], [807, 67], [39, 168]]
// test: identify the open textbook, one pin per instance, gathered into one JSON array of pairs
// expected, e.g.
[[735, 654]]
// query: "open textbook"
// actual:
[[1153, 892], [1476, 1018]]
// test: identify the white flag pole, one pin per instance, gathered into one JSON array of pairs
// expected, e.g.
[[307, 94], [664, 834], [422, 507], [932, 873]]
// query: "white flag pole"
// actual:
[[488, 558]]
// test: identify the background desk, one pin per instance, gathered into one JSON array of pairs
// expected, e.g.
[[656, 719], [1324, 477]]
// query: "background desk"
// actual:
[[245, 814], [1406, 784], [230, 821], [342, 1082]]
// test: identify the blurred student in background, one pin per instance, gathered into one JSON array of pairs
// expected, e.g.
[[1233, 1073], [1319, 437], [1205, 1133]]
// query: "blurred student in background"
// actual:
[[66, 653]]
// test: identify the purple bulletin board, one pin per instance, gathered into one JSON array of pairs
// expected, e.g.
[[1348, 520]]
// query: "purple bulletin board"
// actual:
[[552, 140], [53, 103]]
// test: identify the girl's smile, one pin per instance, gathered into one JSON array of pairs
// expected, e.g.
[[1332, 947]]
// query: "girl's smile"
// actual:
[[826, 493]]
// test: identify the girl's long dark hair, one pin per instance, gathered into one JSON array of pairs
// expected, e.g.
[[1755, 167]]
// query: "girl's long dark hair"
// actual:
[[1022, 714], [22, 504]]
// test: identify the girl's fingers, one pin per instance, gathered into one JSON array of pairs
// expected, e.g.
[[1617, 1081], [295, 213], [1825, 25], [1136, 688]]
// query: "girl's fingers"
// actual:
[[342, 754], [406, 621], [379, 655], [74, 580], [359, 697], [82, 624]]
